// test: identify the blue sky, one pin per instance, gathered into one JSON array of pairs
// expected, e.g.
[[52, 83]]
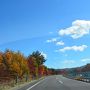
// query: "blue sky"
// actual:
[[58, 28]]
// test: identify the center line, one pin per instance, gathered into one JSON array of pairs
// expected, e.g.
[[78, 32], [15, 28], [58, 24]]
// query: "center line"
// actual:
[[34, 85]]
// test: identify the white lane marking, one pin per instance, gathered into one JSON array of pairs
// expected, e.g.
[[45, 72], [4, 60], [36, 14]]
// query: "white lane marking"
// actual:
[[35, 85], [61, 82]]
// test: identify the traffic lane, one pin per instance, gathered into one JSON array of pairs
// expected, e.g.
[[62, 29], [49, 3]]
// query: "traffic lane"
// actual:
[[74, 84], [50, 83]]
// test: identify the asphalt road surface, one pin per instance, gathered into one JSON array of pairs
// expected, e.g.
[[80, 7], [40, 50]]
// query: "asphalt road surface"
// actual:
[[57, 82]]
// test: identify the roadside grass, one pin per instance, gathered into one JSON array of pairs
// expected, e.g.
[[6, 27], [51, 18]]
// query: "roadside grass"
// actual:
[[14, 86]]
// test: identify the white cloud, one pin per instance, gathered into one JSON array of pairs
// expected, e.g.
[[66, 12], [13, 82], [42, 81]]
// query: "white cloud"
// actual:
[[44, 54], [78, 29], [51, 40], [75, 48], [85, 60], [59, 43], [68, 61]]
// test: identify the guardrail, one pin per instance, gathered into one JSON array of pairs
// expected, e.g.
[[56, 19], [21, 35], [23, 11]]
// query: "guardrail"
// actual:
[[85, 80]]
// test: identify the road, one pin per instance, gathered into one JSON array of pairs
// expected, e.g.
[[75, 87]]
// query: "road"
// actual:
[[57, 82]]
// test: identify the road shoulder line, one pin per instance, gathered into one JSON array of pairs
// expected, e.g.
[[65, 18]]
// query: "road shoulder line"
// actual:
[[35, 85]]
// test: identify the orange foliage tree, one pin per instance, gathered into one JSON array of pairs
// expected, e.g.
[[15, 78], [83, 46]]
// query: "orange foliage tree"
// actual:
[[32, 66], [16, 63]]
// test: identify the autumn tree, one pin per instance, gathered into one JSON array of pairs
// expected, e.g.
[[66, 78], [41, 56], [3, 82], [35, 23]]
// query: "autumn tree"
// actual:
[[39, 59], [1, 59], [16, 63], [2, 66], [7, 59], [46, 71], [41, 70], [33, 67]]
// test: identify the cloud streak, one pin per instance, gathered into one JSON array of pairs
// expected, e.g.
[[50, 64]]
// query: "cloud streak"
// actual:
[[56, 41], [51, 40], [60, 43], [74, 48]]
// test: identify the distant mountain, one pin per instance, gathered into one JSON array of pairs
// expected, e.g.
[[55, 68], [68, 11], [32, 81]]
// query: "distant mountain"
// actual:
[[85, 68]]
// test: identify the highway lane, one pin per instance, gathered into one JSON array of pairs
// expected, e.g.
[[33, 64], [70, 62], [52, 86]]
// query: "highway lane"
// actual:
[[57, 82]]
